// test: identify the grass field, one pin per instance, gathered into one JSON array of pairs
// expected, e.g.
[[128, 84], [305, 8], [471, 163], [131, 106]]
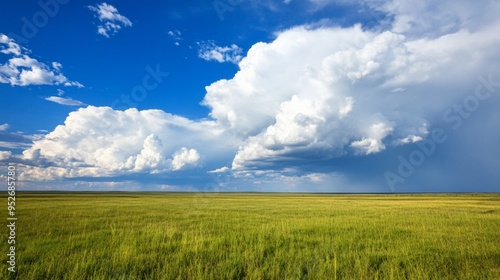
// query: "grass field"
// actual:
[[256, 236]]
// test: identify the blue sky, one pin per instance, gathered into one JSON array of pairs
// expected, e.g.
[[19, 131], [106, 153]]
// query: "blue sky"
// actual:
[[312, 95]]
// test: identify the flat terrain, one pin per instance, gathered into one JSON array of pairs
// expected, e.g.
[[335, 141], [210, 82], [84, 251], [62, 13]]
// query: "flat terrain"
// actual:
[[255, 236]]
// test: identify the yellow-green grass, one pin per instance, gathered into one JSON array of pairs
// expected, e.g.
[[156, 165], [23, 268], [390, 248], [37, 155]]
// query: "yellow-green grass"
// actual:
[[255, 236]]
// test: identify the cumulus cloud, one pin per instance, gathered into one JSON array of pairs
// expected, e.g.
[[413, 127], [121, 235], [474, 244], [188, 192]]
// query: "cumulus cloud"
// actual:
[[373, 142], [65, 101], [4, 155], [22, 70], [210, 51], [184, 158], [99, 141], [111, 21], [343, 91], [151, 157]]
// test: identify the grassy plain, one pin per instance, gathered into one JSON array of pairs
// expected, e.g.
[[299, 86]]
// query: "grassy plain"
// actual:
[[256, 236]]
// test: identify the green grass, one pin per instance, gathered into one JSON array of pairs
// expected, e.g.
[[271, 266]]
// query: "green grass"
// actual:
[[256, 236]]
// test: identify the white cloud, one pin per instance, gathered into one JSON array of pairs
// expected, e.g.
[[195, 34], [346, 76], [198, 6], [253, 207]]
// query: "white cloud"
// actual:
[[374, 141], [4, 155], [65, 101], [340, 91], [176, 36], [151, 157], [57, 65], [8, 46], [99, 141], [184, 158], [4, 126], [22, 70], [220, 170], [111, 20], [410, 139], [210, 51]]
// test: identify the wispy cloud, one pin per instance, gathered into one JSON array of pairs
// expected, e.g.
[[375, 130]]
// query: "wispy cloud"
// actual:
[[210, 51], [22, 70], [65, 101], [111, 21], [4, 126], [8, 46], [220, 170], [14, 140]]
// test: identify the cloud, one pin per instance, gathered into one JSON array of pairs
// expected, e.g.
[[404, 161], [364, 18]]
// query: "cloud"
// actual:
[[5, 155], [8, 46], [65, 101], [373, 142], [430, 18], [209, 51], [340, 92], [14, 140], [425, 18], [176, 36], [184, 158], [220, 170], [102, 142], [11, 140], [111, 20], [22, 70], [151, 157], [410, 139]]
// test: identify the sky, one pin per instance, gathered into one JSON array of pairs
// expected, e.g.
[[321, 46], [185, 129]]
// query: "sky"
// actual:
[[234, 95]]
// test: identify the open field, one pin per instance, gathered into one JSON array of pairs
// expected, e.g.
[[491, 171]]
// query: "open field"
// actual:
[[256, 236]]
